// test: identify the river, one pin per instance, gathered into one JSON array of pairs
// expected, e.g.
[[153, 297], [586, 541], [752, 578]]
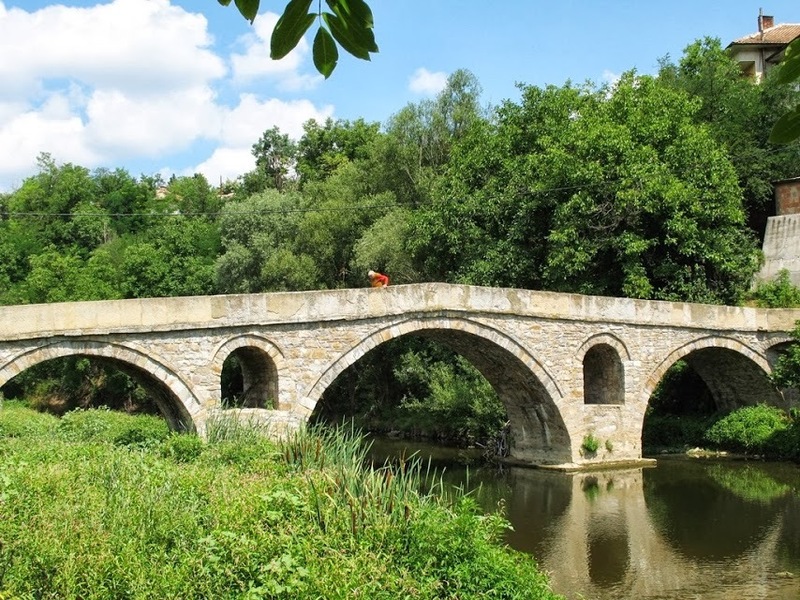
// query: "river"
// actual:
[[696, 528]]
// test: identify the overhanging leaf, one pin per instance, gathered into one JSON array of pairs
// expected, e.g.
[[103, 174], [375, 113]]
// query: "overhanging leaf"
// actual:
[[248, 8], [291, 27], [326, 54], [352, 40], [225, 2], [789, 69], [354, 26], [355, 11], [787, 128]]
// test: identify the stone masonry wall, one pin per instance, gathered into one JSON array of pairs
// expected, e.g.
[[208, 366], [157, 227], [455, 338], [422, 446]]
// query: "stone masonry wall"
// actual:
[[529, 345]]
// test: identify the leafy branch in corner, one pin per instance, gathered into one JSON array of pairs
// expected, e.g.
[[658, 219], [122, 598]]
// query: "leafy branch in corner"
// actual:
[[349, 24], [787, 128]]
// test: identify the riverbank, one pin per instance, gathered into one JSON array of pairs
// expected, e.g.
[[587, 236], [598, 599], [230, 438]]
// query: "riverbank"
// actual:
[[99, 505]]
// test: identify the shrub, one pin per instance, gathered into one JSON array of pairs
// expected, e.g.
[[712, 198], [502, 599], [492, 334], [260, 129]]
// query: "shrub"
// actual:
[[104, 425], [17, 420], [674, 431], [141, 431], [748, 429], [590, 444], [182, 447], [779, 293]]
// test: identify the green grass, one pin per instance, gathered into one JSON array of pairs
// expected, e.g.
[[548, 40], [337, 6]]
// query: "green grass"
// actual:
[[96, 517]]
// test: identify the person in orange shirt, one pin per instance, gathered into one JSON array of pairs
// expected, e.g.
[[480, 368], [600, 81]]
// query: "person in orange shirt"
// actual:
[[378, 279]]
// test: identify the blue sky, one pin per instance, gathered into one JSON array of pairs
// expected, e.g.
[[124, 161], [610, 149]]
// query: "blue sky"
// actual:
[[184, 86]]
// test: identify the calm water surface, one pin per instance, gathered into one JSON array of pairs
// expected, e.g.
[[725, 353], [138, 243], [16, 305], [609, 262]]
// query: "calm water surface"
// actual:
[[687, 528]]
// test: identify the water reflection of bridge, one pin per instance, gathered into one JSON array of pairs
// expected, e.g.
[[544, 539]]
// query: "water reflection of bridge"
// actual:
[[632, 534]]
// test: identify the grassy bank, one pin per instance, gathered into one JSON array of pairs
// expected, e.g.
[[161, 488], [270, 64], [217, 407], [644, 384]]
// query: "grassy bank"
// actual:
[[99, 505]]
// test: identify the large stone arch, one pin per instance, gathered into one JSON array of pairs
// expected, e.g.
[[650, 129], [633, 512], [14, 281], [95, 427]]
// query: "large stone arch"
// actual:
[[735, 373], [176, 400], [261, 361], [529, 393]]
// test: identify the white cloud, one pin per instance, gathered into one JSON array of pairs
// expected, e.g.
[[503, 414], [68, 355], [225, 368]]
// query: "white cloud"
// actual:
[[125, 44], [611, 78], [243, 126], [425, 82], [256, 63], [125, 80]]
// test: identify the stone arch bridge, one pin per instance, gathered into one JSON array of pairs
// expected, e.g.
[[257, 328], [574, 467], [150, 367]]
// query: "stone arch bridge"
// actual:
[[566, 366]]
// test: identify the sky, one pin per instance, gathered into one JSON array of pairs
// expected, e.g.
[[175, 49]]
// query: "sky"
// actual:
[[187, 86]]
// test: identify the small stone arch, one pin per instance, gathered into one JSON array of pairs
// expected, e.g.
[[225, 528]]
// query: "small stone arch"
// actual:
[[176, 400], [261, 362], [608, 339], [601, 358], [528, 391], [735, 373]]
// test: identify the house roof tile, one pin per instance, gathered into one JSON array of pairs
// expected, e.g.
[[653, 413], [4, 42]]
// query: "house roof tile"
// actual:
[[780, 35]]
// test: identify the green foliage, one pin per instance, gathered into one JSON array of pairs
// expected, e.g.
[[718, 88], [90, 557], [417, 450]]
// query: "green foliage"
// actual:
[[252, 231], [674, 431], [323, 149], [740, 116], [682, 392], [590, 445], [610, 191], [777, 293], [350, 24], [383, 246], [275, 156], [182, 447], [750, 429], [787, 128], [104, 425], [307, 521], [176, 257], [786, 373], [19, 421], [457, 402]]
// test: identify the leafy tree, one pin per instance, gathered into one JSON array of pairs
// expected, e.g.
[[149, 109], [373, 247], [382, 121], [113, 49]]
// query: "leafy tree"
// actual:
[[349, 24], [57, 276], [193, 196], [323, 149], [46, 200], [787, 128], [275, 157], [419, 138], [777, 293], [123, 198], [341, 209], [251, 231], [740, 114], [384, 246], [611, 191], [174, 258]]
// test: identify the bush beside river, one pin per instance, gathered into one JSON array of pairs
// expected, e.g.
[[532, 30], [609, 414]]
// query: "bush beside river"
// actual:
[[753, 430], [100, 505]]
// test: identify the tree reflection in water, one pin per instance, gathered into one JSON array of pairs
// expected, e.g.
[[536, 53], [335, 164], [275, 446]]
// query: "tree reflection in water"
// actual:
[[686, 528]]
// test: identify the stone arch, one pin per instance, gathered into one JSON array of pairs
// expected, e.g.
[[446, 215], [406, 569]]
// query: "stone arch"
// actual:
[[735, 373], [174, 397], [603, 369], [529, 393], [260, 361]]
